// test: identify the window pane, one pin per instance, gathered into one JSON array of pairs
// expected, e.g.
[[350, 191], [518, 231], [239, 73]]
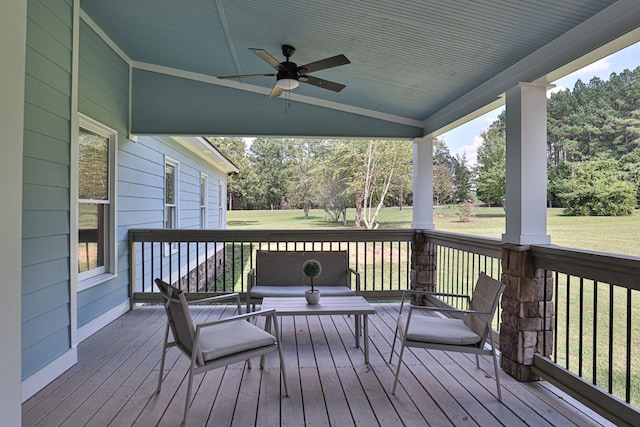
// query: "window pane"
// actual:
[[170, 181], [93, 166], [203, 186], [169, 215], [91, 232]]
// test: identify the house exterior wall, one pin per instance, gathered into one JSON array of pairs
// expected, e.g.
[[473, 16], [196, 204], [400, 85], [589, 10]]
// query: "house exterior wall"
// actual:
[[103, 95], [71, 70], [146, 208], [46, 307], [13, 24]]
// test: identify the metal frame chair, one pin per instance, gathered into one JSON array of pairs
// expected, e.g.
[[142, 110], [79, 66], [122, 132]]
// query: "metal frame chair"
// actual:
[[215, 344], [465, 331]]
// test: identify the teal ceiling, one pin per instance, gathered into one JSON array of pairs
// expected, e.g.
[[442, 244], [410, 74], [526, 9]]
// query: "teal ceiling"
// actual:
[[416, 66]]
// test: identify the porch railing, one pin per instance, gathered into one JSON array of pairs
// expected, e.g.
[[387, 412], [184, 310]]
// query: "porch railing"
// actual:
[[596, 329], [217, 261], [596, 297]]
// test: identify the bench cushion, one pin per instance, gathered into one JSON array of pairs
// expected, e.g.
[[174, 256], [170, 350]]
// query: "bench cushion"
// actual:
[[261, 291]]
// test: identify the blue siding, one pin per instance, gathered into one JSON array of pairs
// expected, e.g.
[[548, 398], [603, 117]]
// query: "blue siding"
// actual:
[[103, 95], [46, 317], [103, 83], [148, 211]]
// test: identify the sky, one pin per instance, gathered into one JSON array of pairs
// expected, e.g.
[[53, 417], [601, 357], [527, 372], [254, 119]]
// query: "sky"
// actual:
[[466, 138]]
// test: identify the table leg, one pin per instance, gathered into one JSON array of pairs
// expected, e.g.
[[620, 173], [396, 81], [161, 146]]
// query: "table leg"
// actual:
[[267, 327], [366, 339], [357, 330]]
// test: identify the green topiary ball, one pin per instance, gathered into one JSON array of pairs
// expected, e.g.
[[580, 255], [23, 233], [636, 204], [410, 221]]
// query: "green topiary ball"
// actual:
[[312, 268]]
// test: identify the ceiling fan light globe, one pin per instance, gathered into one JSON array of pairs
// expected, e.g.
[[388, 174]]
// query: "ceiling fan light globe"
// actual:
[[288, 84]]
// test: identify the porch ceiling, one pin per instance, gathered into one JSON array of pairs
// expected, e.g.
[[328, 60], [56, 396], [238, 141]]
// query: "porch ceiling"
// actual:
[[417, 67]]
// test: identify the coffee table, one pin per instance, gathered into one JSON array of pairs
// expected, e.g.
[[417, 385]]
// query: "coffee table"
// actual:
[[297, 306]]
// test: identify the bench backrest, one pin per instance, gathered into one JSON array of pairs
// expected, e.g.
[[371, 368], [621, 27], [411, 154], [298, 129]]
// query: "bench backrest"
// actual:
[[284, 268]]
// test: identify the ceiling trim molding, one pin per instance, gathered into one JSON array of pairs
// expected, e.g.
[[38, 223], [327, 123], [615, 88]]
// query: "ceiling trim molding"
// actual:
[[227, 35], [95, 27], [600, 32], [265, 91]]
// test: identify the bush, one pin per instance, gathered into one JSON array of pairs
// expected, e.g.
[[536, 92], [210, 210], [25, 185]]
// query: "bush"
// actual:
[[466, 210], [595, 190]]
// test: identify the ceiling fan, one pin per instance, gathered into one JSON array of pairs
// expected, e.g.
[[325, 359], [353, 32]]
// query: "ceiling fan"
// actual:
[[289, 74]]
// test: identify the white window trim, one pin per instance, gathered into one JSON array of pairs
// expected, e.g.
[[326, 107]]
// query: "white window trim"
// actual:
[[204, 216], [94, 277], [171, 249]]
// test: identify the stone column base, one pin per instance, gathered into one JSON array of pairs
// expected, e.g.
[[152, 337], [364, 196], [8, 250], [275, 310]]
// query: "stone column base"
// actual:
[[527, 313], [423, 265]]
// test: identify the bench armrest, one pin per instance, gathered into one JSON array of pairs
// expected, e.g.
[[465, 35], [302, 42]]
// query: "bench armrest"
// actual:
[[251, 279], [357, 274]]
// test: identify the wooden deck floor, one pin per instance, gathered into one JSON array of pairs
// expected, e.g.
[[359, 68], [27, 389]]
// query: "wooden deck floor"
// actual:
[[114, 381]]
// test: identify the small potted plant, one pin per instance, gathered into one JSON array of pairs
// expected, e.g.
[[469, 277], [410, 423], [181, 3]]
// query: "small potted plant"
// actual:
[[312, 268]]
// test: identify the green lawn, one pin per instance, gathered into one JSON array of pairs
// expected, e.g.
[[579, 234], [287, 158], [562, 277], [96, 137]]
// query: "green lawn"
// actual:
[[608, 234]]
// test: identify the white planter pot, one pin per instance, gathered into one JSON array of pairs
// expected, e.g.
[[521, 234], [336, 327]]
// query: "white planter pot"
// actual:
[[313, 297]]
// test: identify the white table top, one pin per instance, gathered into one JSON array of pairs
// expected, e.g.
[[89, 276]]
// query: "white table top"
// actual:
[[297, 306]]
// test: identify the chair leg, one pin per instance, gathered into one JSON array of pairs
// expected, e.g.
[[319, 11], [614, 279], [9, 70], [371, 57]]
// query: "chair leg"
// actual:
[[495, 367], [477, 361], [283, 369], [189, 385], [395, 381], [164, 352], [393, 345]]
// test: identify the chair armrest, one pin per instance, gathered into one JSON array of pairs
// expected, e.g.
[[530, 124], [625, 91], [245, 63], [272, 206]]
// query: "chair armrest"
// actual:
[[251, 279], [357, 274], [444, 294], [449, 310], [270, 312], [410, 292], [225, 297], [233, 295]]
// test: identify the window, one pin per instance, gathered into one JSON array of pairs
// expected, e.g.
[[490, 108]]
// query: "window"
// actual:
[[203, 200], [170, 198], [96, 207]]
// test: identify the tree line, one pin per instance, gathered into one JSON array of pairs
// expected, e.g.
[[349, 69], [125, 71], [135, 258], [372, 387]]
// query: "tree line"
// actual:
[[593, 149]]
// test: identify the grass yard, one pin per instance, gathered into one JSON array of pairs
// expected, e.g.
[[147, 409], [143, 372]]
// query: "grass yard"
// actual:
[[607, 234]]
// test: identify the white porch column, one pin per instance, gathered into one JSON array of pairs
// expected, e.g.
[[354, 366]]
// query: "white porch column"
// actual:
[[423, 184], [526, 209], [13, 30]]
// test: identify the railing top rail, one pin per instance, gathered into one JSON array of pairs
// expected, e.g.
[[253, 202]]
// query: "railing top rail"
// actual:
[[622, 270], [482, 245], [313, 235]]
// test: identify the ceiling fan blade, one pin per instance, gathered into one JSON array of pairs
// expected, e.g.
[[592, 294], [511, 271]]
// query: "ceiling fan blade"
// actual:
[[247, 76], [266, 57], [275, 92], [325, 84], [323, 64]]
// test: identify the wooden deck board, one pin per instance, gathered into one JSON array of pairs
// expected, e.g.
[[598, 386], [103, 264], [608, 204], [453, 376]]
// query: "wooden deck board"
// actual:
[[115, 379]]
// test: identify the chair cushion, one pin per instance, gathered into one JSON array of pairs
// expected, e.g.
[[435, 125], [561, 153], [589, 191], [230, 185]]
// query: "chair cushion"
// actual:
[[228, 338], [438, 330], [261, 291]]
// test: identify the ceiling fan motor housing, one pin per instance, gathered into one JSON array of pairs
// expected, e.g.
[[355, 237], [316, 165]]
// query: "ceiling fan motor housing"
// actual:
[[288, 70]]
